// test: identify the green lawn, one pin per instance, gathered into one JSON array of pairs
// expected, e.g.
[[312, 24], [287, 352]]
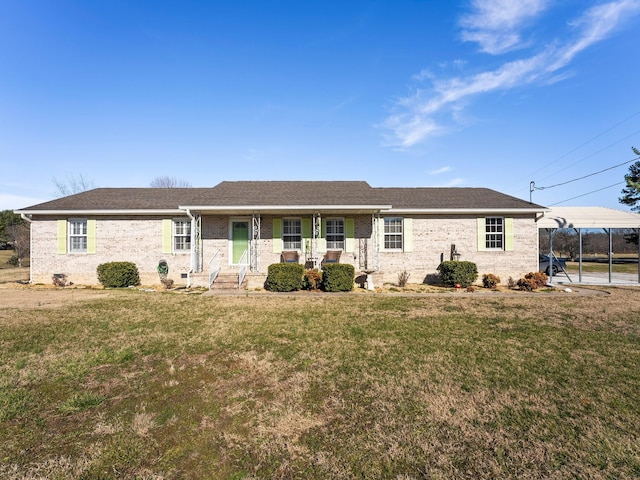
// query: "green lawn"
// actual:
[[165, 385]]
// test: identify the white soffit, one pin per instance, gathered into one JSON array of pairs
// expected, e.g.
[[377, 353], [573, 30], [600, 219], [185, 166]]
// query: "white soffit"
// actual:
[[588, 217]]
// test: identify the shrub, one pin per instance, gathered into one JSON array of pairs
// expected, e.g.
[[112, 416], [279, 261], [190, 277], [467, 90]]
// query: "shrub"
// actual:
[[533, 281], [489, 280], [14, 260], [312, 279], [511, 283], [284, 277], [463, 273], [403, 278], [338, 277], [118, 274]]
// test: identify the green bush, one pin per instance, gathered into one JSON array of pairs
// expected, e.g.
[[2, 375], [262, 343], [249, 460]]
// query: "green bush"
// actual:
[[338, 277], [14, 260], [118, 274], [284, 277], [453, 273]]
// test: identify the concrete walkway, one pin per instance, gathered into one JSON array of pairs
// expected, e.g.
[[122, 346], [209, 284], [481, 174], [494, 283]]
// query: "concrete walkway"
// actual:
[[597, 278]]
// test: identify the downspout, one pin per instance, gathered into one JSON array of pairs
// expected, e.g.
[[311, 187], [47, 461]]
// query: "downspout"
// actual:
[[29, 221]]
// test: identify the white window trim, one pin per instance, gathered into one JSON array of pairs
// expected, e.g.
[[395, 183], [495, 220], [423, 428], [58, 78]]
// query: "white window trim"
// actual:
[[71, 235], [175, 235], [284, 247], [344, 233], [502, 233], [384, 235]]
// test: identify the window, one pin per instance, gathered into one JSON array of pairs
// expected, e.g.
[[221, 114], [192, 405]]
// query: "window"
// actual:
[[291, 234], [335, 234], [494, 233], [78, 236], [181, 235], [393, 233]]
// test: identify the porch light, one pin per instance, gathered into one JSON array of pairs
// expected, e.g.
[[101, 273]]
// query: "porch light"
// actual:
[[455, 255]]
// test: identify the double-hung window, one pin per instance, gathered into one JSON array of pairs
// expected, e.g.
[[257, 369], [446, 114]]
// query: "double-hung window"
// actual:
[[181, 235], [77, 236], [392, 233], [494, 233], [334, 233], [291, 234]]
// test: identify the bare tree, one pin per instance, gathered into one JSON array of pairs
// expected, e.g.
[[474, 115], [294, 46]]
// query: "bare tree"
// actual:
[[72, 184], [20, 237], [169, 182]]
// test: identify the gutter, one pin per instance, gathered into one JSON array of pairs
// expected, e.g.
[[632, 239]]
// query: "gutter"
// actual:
[[176, 211], [29, 221], [193, 247]]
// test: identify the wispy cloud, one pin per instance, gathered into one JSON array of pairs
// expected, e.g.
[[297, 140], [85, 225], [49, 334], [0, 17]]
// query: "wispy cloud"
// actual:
[[440, 170], [454, 182], [495, 24], [429, 112]]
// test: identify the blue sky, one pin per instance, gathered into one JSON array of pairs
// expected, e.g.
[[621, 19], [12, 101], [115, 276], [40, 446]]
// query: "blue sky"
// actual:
[[474, 93]]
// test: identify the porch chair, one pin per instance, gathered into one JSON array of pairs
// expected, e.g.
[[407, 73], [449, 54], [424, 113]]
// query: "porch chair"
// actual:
[[290, 256], [332, 256]]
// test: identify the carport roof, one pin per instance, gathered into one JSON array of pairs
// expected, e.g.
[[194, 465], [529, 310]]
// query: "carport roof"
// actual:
[[588, 217]]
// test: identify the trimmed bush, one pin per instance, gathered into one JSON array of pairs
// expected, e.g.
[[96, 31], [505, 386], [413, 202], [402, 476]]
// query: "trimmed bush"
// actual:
[[453, 273], [489, 280], [118, 274], [284, 277], [312, 279], [338, 277]]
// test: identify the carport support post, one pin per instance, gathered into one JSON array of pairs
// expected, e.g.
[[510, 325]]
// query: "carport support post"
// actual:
[[610, 254], [580, 256], [638, 233], [551, 232]]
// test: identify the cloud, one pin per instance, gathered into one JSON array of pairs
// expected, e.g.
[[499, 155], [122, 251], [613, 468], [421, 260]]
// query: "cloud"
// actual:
[[428, 112], [454, 182], [495, 24], [440, 170]]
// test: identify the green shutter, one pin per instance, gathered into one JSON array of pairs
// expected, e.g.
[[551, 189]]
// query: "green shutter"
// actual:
[[407, 234], [322, 239], [91, 236], [482, 234], [350, 235], [306, 233], [277, 235], [62, 236], [508, 234], [167, 235]]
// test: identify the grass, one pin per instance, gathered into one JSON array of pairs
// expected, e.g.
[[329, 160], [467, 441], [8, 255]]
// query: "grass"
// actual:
[[9, 273], [140, 385]]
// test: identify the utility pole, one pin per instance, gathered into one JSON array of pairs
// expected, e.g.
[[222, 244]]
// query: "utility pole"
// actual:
[[532, 187]]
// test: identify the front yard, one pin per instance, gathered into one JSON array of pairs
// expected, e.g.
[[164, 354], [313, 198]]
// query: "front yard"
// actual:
[[133, 384]]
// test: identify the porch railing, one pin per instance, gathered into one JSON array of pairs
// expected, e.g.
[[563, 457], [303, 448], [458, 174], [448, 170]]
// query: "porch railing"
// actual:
[[242, 271], [214, 267]]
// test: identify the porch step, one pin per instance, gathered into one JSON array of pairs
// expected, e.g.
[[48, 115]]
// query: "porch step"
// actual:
[[228, 281]]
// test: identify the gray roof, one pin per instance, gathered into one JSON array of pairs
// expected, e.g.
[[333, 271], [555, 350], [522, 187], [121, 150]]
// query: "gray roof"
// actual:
[[282, 194]]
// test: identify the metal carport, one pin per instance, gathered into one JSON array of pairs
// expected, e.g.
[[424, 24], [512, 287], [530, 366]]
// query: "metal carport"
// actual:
[[580, 218]]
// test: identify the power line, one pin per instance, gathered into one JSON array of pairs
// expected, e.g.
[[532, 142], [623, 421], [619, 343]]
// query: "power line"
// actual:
[[589, 193], [586, 176], [586, 143]]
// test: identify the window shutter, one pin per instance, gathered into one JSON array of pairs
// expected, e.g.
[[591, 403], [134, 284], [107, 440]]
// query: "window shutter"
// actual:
[[62, 237], [322, 239], [277, 235], [482, 234], [508, 234], [350, 235], [91, 236], [167, 235], [306, 233], [407, 234]]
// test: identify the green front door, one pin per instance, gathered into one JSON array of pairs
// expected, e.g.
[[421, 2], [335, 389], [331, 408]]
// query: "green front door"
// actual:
[[240, 241]]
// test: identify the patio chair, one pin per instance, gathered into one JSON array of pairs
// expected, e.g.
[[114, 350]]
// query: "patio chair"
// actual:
[[290, 256], [332, 256]]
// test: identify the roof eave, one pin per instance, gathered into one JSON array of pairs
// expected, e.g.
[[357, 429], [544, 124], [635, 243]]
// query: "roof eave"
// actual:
[[466, 211], [171, 211]]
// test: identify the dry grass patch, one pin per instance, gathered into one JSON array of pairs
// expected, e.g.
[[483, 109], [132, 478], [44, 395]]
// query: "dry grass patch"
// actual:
[[322, 386]]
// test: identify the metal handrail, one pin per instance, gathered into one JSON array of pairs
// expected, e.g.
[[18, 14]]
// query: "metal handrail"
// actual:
[[242, 271], [214, 267]]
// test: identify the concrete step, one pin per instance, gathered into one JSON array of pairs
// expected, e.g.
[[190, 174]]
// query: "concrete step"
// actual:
[[228, 281]]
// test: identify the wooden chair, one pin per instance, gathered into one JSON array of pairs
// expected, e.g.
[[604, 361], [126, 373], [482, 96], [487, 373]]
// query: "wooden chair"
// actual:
[[290, 256]]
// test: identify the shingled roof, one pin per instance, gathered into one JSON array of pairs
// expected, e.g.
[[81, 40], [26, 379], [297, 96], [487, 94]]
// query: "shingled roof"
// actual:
[[282, 194]]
